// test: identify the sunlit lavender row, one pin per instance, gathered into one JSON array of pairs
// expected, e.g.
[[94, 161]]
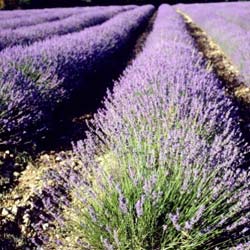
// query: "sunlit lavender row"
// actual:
[[229, 26], [160, 168], [80, 20]]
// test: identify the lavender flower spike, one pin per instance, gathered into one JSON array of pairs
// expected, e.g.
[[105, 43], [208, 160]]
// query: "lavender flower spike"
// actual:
[[189, 224], [139, 206], [175, 219]]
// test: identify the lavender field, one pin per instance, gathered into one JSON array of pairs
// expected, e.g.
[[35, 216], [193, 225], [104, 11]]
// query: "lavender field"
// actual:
[[122, 128]]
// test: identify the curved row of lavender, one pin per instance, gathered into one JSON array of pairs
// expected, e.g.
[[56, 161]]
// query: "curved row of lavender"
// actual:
[[21, 13], [223, 22], [28, 35], [15, 14], [160, 168], [36, 79], [40, 17]]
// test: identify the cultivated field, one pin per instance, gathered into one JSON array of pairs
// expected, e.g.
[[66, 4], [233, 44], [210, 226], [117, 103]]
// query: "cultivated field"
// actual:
[[125, 128]]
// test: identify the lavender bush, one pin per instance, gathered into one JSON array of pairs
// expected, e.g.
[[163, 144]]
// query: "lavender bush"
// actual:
[[36, 79], [45, 30], [226, 19], [160, 168]]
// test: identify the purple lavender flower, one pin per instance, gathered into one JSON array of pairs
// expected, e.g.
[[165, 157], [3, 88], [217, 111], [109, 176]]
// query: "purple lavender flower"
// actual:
[[92, 214], [132, 175], [189, 224], [107, 245], [139, 206], [122, 201], [149, 184], [123, 205], [175, 219]]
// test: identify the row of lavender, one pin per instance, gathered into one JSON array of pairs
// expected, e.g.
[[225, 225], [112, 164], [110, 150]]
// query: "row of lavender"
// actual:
[[37, 79], [37, 17], [16, 14], [79, 20], [228, 24], [160, 168]]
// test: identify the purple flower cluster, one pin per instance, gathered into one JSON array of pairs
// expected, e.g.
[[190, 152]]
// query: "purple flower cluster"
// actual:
[[37, 78], [139, 206], [45, 30], [231, 20], [167, 110], [175, 219]]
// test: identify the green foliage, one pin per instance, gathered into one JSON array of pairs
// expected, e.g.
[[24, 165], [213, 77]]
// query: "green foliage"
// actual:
[[134, 205]]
